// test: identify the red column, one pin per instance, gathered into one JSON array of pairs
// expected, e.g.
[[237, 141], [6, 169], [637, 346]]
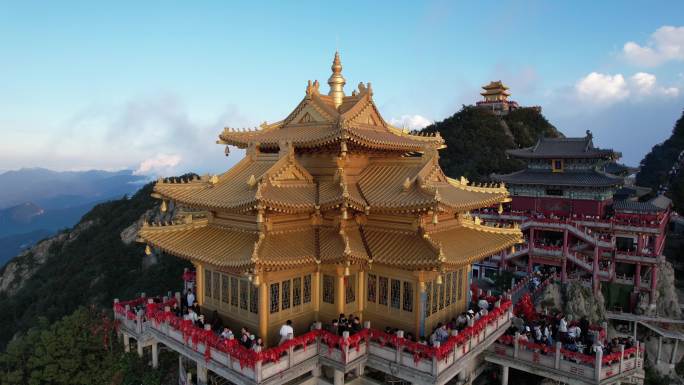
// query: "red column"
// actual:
[[654, 279], [595, 270], [640, 243], [564, 272], [637, 277]]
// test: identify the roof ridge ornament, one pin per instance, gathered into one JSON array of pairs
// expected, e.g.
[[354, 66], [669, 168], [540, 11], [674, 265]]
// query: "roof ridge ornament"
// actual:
[[336, 81]]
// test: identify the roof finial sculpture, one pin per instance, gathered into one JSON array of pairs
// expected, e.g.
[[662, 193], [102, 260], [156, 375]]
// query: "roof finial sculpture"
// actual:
[[336, 81]]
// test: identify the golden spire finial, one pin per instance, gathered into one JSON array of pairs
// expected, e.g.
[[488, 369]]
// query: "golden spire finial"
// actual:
[[336, 81]]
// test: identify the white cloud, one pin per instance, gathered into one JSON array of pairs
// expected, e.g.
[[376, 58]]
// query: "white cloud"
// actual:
[[605, 89], [665, 44], [160, 164], [412, 122], [602, 88], [643, 82]]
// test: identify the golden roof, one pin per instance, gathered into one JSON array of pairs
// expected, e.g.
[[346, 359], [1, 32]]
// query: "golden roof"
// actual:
[[321, 120], [240, 250], [495, 85], [283, 184], [331, 183]]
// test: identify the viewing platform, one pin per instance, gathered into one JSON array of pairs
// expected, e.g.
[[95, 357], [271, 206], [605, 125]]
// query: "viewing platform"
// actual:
[[304, 356], [566, 366]]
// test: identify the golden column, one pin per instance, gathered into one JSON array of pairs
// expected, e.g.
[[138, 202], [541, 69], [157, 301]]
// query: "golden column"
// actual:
[[339, 300], [263, 310]]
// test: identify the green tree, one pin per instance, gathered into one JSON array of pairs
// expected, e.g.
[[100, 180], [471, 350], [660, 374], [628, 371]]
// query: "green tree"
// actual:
[[477, 140]]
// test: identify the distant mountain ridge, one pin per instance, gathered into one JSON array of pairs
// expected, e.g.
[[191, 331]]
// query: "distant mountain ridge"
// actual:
[[59, 189], [36, 202]]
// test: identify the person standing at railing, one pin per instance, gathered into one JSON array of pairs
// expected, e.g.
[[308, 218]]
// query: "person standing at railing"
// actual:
[[286, 331], [190, 298]]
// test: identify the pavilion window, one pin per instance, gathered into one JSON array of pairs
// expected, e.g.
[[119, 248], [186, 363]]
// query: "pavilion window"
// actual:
[[408, 296], [460, 284], [349, 289], [217, 286], [328, 289], [286, 295], [244, 292], [382, 286], [207, 283], [307, 288], [224, 288], [447, 290], [454, 286], [275, 297], [296, 291], [435, 297], [428, 298], [441, 296], [372, 287], [395, 294], [233, 291], [253, 299]]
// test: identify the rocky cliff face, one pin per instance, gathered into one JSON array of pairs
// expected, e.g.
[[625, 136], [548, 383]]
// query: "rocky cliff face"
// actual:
[[667, 300], [575, 301], [21, 268]]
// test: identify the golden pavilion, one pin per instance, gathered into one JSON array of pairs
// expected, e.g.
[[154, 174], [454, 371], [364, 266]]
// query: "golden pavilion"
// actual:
[[332, 210]]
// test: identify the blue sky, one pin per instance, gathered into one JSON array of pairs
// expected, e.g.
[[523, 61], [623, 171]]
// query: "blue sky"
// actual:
[[148, 85]]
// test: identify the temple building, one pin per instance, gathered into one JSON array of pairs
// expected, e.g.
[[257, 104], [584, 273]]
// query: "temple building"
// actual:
[[332, 210], [495, 99], [586, 222]]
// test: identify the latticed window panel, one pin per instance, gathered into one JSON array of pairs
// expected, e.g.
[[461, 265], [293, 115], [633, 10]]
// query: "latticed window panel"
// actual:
[[454, 286], [224, 288], [275, 297], [217, 286], [286, 295], [307, 288], [441, 296], [244, 292], [296, 291], [234, 291], [349, 289], [383, 282], [395, 294], [460, 284], [328, 289], [447, 290], [372, 287], [253, 299], [207, 283], [408, 296], [428, 298], [435, 297]]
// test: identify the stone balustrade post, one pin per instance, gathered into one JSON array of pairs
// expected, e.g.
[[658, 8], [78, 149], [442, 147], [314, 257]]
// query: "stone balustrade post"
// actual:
[[290, 352], [597, 365], [202, 375], [127, 342], [622, 358], [660, 349], [258, 376], [366, 324], [139, 321], [516, 345], [155, 355], [400, 336], [557, 356], [345, 348], [435, 361]]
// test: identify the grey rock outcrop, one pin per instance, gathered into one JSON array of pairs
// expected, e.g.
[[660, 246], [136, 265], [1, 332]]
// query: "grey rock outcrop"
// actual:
[[574, 300]]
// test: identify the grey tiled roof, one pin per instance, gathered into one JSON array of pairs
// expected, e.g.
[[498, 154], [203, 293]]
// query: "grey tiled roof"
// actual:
[[659, 203], [563, 148], [586, 178]]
